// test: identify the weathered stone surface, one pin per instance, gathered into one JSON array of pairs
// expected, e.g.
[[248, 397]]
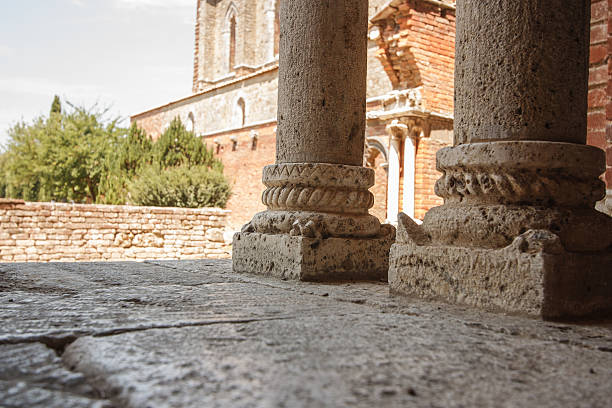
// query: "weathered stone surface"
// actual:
[[32, 375], [322, 87], [525, 173], [318, 187], [313, 259], [193, 334], [509, 84], [533, 275]]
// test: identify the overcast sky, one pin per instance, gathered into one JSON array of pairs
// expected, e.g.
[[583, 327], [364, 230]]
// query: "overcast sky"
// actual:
[[132, 55]]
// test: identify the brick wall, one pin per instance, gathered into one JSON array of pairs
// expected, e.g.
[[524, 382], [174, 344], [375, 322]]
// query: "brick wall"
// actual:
[[600, 88], [41, 232], [426, 176], [417, 48], [243, 169]]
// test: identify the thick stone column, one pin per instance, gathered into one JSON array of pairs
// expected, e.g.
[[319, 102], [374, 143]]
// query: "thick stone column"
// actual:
[[518, 229], [317, 225]]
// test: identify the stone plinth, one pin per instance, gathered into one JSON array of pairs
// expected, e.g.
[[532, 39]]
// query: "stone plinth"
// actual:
[[313, 259], [517, 232]]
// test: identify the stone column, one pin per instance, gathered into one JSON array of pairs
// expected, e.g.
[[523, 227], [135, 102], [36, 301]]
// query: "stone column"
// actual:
[[518, 229], [397, 131], [317, 225]]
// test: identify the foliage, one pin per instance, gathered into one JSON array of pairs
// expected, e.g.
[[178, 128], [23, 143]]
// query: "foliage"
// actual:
[[60, 158], [191, 187], [135, 151], [179, 147], [80, 155], [56, 106]]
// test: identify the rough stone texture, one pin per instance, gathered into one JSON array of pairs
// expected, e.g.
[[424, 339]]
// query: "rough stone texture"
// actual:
[[313, 259], [533, 275], [41, 232], [509, 82], [32, 375], [193, 334], [322, 81]]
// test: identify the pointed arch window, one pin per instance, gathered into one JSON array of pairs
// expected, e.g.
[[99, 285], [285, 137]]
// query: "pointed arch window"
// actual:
[[232, 43]]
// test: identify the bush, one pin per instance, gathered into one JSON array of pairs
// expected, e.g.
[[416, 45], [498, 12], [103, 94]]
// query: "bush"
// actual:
[[188, 187]]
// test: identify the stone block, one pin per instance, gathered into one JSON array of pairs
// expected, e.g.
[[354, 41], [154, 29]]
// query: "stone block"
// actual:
[[312, 259], [533, 275]]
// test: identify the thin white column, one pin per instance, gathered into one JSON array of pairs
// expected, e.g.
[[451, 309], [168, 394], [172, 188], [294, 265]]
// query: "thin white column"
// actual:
[[393, 182], [397, 131], [409, 175]]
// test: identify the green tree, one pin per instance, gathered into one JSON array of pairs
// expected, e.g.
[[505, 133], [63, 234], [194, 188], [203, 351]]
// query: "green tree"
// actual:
[[135, 152], [79, 155], [56, 106], [62, 157], [179, 147]]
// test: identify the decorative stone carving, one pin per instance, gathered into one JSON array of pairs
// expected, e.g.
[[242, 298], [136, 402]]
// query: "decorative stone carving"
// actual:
[[529, 172]]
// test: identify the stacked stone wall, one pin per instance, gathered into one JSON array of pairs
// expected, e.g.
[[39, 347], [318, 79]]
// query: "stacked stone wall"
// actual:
[[600, 88], [42, 232]]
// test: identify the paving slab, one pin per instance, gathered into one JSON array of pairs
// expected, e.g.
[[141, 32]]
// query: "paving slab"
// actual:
[[193, 334], [33, 373]]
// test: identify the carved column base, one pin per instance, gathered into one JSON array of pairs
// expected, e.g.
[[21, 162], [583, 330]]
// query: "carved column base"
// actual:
[[317, 227], [518, 232]]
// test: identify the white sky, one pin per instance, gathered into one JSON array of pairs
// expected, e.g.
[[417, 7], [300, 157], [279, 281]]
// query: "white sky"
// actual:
[[132, 55]]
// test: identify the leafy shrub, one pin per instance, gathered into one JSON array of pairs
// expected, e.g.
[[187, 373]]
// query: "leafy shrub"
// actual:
[[189, 187]]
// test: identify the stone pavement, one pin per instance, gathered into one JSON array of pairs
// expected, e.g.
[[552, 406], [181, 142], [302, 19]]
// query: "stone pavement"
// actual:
[[195, 334]]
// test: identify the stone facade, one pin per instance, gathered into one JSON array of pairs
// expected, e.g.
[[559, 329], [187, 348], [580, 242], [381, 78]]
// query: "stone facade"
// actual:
[[229, 104], [44, 232]]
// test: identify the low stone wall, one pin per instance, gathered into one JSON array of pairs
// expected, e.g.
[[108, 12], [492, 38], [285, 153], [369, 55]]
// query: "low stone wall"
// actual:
[[41, 232]]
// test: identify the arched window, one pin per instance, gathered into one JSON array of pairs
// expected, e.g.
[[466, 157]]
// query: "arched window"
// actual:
[[229, 38], [232, 43], [239, 113], [190, 125]]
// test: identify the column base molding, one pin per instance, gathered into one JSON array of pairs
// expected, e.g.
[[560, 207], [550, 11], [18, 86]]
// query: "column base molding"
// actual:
[[313, 259]]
